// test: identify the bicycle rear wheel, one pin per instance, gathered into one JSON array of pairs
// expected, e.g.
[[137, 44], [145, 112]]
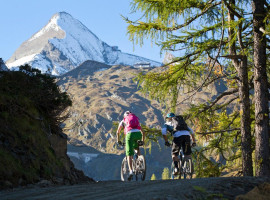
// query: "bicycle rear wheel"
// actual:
[[140, 168], [124, 170], [173, 175], [188, 169]]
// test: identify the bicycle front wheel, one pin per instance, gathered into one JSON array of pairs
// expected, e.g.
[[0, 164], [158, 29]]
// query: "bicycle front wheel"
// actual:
[[140, 168]]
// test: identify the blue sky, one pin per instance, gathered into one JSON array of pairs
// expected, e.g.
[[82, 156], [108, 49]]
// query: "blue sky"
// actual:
[[20, 19]]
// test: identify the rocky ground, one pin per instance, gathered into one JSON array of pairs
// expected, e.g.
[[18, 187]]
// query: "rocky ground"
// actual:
[[204, 188]]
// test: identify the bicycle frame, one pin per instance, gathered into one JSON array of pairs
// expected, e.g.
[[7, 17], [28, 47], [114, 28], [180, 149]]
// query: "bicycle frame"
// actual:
[[185, 165]]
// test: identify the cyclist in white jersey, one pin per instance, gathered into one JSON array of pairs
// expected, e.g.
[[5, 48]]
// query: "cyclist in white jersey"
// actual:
[[180, 139]]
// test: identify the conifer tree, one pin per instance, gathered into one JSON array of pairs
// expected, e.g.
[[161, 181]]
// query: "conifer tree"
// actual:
[[153, 177], [261, 89], [240, 62], [209, 35], [165, 174]]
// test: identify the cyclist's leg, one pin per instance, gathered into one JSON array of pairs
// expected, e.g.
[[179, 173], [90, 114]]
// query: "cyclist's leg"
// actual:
[[175, 151], [186, 146], [131, 144], [187, 153], [136, 136], [129, 151]]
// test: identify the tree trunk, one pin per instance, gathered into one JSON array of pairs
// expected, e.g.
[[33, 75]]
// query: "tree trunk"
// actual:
[[245, 118], [243, 85], [261, 91]]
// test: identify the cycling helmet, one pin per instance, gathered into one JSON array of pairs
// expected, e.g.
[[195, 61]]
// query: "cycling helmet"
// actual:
[[170, 115], [126, 113]]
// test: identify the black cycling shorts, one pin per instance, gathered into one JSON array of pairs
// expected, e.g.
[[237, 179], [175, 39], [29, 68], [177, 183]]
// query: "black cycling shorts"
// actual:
[[182, 141]]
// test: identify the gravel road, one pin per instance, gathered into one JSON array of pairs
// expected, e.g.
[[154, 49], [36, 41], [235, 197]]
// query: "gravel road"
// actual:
[[200, 188]]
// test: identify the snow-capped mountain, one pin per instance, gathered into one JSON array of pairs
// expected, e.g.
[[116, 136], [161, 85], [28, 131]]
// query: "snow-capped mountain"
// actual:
[[65, 43]]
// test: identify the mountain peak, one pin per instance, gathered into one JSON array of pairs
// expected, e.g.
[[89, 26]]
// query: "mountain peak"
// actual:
[[62, 15], [51, 26], [65, 43]]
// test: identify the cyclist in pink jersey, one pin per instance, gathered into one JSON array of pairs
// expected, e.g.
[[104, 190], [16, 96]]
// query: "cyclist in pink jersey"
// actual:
[[133, 133]]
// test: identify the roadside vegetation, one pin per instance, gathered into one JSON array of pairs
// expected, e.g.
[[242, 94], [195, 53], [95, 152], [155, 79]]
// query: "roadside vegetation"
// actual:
[[30, 106]]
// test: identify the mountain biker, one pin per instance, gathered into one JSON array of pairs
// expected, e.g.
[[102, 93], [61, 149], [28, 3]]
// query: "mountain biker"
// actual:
[[132, 135], [180, 139]]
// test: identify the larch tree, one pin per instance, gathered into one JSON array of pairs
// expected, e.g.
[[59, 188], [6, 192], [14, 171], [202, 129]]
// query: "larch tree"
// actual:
[[261, 89], [240, 62], [206, 40]]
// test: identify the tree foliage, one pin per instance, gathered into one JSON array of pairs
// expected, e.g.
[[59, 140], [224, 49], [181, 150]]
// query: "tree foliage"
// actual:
[[43, 93], [212, 42], [165, 174], [153, 177]]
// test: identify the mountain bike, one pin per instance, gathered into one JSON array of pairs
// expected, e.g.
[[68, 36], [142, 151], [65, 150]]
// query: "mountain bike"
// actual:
[[185, 166], [138, 163]]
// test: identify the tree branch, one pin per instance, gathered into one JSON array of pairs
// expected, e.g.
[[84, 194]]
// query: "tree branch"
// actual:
[[230, 92], [193, 18], [233, 56], [213, 132], [232, 10], [263, 31]]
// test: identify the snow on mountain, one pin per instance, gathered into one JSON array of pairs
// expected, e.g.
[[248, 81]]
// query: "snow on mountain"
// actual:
[[65, 43]]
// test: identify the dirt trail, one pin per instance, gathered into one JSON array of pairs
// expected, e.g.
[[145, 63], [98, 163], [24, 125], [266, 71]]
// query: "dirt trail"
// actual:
[[204, 188]]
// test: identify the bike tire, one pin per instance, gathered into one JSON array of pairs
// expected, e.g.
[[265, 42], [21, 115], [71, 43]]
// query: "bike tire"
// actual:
[[124, 170], [140, 168], [180, 169], [189, 169], [175, 176], [172, 170]]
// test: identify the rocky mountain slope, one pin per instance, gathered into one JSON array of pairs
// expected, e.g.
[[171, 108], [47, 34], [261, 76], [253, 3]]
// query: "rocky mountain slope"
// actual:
[[100, 95], [65, 43]]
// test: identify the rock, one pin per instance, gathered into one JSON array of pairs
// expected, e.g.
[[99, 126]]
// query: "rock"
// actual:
[[7, 184], [57, 180], [261, 192], [44, 183]]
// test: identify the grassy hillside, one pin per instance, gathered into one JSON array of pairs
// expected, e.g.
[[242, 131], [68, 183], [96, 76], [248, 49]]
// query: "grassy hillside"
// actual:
[[30, 104]]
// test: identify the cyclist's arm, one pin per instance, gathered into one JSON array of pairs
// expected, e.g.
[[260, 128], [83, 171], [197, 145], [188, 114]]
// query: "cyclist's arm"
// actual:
[[164, 133], [119, 131], [192, 134], [165, 138], [143, 135]]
